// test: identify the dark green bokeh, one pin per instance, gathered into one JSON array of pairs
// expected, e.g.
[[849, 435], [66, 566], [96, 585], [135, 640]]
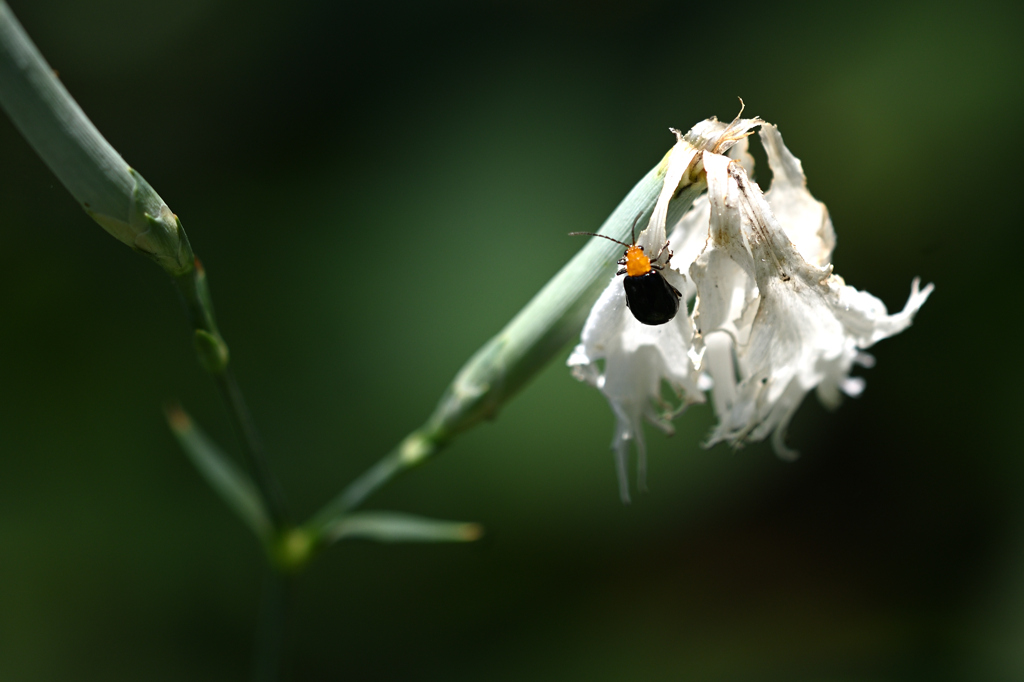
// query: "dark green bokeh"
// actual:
[[374, 190]]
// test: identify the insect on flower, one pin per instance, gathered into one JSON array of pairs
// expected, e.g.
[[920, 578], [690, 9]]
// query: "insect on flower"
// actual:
[[650, 298]]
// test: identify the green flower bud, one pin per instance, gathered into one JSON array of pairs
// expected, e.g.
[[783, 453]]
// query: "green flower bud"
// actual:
[[148, 226], [111, 192]]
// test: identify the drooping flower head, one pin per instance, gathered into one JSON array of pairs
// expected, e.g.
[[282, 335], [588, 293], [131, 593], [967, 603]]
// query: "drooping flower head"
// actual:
[[769, 319]]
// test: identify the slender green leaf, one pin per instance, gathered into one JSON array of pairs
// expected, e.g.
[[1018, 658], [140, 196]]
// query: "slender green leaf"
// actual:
[[397, 527], [224, 476]]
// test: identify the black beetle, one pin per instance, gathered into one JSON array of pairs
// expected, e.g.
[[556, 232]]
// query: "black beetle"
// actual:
[[650, 298]]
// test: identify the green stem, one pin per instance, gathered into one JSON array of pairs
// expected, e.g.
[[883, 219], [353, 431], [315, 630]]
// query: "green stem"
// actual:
[[504, 364], [127, 207], [415, 448], [252, 447], [269, 649], [121, 201], [213, 355]]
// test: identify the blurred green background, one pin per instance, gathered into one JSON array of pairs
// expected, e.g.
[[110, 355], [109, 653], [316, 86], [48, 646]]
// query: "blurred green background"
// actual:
[[375, 189]]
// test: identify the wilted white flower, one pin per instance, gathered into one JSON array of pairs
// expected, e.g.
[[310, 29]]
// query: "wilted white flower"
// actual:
[[769, 320]]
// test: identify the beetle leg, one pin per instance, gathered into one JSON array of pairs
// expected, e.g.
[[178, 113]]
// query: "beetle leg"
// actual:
[[621, 272], [663, 247]]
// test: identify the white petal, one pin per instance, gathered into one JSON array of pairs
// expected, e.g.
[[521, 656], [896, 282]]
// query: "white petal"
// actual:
[[866, 317], [770, 321], [741, 153], [804, 218], [682, 169], [724, 272], [638, 359], [607, 318], [807, 331], [714, 136], [654, 235], [688, 237], [719, 363]]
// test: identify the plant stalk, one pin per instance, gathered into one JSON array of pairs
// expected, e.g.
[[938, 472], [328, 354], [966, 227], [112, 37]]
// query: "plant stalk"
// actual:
[[271, 632], [214, 357]]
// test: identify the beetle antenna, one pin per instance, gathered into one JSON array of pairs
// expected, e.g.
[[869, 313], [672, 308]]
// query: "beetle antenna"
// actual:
[[632, 233], [594, 234], [632, 230]]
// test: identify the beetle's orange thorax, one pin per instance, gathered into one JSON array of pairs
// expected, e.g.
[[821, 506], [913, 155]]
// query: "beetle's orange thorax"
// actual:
[[637, 262]]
